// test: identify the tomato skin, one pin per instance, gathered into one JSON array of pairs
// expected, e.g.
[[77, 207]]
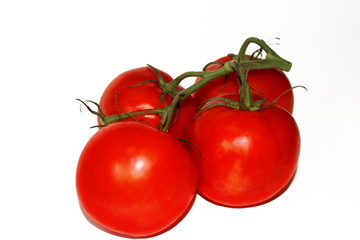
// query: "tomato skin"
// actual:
[[271, 82], [247, 157], [143, 97], [134, 180]]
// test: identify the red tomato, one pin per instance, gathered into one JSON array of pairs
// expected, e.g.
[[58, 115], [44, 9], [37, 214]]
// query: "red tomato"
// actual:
[[143, 97], [247, 157], [134, 180], [271, 82]]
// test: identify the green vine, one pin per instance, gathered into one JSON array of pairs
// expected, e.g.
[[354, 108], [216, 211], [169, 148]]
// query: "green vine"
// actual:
[[240, 64]]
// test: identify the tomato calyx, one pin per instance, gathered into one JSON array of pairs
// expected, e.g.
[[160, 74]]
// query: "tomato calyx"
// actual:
[[107, 120], [245, 102], [235, 104], [98, 113], [168, 88], [242, 64]]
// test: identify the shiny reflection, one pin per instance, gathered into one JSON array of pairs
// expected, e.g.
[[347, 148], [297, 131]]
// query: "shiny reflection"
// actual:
[[139, 164], [135, 168], [138, 167], [239, 143]]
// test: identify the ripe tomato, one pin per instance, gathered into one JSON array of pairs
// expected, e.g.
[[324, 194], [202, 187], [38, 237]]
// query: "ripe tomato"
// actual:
[[247, 157], [143, 97], [271, 82], [134, 180]]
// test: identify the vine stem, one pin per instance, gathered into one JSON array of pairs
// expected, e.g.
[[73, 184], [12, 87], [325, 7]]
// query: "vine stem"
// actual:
[[272, 60], [206, 78], [118, 117], [240, 64], [246, 101]]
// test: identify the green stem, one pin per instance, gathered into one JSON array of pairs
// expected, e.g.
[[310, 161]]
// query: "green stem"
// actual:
[[162, 81], [206, 78], [238, 65], [246, 101], [172, 86], [118, 117], [272, 59]]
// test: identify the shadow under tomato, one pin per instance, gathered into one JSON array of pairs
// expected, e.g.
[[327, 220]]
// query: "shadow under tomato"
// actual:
[[278, 194], [181, 217]]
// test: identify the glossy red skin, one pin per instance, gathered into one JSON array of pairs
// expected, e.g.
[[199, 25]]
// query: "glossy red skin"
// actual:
[[271, 82], [143, 97], [134, 180], [247, 157]]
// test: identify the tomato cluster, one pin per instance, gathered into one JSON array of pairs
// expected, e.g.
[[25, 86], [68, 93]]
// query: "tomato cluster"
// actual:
[[158, 146]]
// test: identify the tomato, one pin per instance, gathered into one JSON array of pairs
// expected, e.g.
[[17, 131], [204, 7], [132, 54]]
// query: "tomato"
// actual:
[[247, 157], [143, 97], [270, 82], [134, 180]]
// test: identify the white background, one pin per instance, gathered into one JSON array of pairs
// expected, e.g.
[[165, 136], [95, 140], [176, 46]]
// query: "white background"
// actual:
[[52, 52]]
